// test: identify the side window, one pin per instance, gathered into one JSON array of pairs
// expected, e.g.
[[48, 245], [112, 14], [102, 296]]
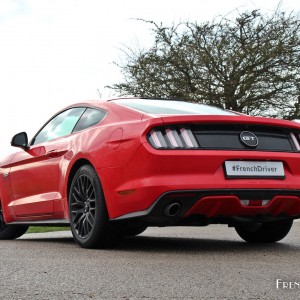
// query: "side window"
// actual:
[[61, 125], [89, 118]]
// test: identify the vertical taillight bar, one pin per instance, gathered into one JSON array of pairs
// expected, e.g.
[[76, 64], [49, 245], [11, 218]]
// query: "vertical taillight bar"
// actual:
[[188, 138], [157, 139], [174, 138], [296, 143]]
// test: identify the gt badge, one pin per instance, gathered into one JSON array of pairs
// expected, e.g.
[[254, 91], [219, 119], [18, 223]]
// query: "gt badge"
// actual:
[[249, 139]]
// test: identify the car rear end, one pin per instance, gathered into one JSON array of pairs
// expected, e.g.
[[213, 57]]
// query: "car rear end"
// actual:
[[221, 168], [227, 169]]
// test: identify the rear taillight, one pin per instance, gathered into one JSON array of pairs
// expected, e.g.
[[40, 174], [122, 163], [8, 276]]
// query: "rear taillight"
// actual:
[[172, 138], [296, 139]]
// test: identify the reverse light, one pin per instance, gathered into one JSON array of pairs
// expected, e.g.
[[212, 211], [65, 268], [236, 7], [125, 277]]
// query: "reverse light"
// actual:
[[255, 202]]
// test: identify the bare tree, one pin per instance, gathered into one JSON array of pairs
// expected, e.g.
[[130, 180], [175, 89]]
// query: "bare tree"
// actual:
[[249, 64]]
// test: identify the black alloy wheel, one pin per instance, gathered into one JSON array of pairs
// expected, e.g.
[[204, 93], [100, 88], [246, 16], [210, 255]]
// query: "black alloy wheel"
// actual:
[[83, 206], [265, 233], [88, 213], [10, 232]]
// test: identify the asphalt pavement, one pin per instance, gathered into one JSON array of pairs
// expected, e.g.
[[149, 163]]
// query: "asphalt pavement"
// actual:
[[163, 263]]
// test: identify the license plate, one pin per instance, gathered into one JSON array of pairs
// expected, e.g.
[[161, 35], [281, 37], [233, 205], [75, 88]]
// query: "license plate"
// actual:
[[254, 169]]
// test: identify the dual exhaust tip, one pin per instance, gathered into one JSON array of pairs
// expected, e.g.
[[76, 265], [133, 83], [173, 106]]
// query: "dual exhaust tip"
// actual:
[[172, 209]]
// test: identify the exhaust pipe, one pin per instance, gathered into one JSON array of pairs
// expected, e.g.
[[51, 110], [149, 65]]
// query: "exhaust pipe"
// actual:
[[172, 209]]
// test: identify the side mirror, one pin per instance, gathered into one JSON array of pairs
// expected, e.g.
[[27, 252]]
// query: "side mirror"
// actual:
[[20, 140]]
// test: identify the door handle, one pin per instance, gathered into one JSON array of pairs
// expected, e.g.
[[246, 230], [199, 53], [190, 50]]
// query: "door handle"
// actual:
[[52, 153]]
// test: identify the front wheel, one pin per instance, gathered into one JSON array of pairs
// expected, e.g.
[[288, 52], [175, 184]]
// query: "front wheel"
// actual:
[[265, 233], [88, 213], [10, 232]]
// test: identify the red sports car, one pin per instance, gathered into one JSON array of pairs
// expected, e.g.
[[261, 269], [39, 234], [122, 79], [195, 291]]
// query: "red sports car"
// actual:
[[113, 168]]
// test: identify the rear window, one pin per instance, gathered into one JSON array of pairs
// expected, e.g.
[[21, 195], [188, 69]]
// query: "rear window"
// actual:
[[90, 118], [172, 107]]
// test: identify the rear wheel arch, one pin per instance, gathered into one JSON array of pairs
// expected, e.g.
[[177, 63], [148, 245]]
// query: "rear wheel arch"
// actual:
[[77, 165]]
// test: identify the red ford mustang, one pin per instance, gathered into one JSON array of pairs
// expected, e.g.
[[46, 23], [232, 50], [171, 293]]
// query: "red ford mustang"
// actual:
[[113, 168]]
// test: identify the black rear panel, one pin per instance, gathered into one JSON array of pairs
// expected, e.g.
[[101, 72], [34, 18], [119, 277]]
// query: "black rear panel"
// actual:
[[227, 137]]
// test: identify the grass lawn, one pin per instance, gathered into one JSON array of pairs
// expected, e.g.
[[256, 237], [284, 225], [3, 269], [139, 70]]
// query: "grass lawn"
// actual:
[[36, 229]]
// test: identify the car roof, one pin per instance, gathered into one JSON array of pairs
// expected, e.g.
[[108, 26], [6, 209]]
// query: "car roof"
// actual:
[[117, 105], [171, 107], [155, 106]]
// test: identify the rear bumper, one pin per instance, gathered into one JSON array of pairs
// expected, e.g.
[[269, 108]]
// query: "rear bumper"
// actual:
[[143, 184], [203, 207]]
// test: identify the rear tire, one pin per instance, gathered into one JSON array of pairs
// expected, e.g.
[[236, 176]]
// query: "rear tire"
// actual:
[[10, 232], [265, 233], [133, 231], [88, 213]]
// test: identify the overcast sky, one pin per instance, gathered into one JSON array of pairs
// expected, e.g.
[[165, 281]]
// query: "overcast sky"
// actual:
[[57, 52]]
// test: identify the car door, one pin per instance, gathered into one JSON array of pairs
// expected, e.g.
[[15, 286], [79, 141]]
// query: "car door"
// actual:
[[34, 173]]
